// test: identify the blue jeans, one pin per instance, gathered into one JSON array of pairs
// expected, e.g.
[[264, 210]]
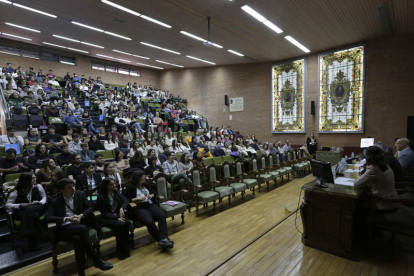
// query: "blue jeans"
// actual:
[[136, 125], [90, 127]]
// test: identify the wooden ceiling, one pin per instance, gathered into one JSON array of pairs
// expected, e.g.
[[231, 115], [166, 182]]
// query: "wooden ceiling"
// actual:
[[317, 24]]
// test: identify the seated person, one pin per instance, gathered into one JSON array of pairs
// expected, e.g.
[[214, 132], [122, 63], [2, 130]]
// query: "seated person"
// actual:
[[71, 212], [153, 168], [52, 188], [218, 151], [405, 156], [392, 162], [65, 158], [54, 82], [119, 162], [75, 144], [13, 164], [95, 144], [185, 164], [110, 143], [36, 161], [71, 120], [78, 111], [27, 202], [153, 146], [30, 100], [32, 138], [379, 179], [163, 156], [286, 147], [197, 160], [16, 101], [11, 137], [194, 145], [43, 176], [205, 152], [147, 212], [76, 168], [89, 180], [112, 206], [51, 138], [86, 154], [50, 89], [99, 163], [110, 172], [170, 167]]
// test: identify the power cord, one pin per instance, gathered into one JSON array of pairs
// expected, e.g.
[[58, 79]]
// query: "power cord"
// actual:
[[297, 209]]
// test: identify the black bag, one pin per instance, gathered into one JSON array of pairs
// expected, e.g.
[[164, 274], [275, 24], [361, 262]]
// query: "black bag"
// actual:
[[29, 152], [33, 110], [54, 149], [18, 110]]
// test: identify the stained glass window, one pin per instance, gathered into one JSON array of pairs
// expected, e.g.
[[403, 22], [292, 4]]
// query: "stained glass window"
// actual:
[[288, 97], [341, 91]]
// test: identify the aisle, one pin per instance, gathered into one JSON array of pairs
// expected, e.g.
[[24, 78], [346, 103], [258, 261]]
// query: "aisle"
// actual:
[[202, 244]]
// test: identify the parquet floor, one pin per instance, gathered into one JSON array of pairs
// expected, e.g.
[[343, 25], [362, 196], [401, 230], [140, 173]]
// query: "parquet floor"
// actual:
[[236, 240]]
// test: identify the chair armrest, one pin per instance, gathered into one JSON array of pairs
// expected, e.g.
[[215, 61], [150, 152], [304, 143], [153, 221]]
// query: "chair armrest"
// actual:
[[197, 187], [132, 205], [158, 199], [51, 226], [97, 215]]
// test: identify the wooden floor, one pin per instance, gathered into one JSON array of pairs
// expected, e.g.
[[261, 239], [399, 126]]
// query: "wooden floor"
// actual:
[[241, 240]]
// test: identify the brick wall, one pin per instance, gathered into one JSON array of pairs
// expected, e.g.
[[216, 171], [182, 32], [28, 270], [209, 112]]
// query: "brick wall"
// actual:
[[389, 94], [83, 66]]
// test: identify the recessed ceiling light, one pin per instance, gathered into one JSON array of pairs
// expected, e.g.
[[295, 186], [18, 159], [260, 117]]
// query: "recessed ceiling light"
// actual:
[[130, 54], [160, 61], [201, 60], [120, 7], [55, 45], [66, 38], [34, 10], [199, 38], [143, 64], [297, 44], [77, 50], [158, 47], [87, 26], [236, 53], [121, 36], [21, 27], [5, 1], [93, 45], [16, 36], [99, 55], [157, 67], [155, 21], [69, 63], [261, 18]]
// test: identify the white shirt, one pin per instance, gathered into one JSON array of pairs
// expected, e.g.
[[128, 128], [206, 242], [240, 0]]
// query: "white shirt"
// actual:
[[5, 139], [54, 83], [70, 203], [10, 205], [143, 192], [91, 182]]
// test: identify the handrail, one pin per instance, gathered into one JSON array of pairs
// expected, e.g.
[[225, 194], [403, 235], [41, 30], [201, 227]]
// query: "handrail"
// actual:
[[4, 111]]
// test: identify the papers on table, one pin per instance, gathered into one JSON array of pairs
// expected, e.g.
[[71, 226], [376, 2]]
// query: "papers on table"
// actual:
[[344, 181]]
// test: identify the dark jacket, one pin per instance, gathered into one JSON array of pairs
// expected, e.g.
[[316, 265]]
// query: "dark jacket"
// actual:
[[57, 208], [162, 157], [82, 181], [104, 206], [395, 167], [64, 159], [36, 161], [218, 153]]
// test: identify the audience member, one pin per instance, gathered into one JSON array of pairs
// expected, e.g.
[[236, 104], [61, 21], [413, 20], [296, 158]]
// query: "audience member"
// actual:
[[76, 168], [405, 156], [11, 163], [52, 138], [32, 138], [52, 189], [86, 154], [36, 161], [110, 172], [75, 144], [392, 162], [11, 137], [65, 158], [88, 180]]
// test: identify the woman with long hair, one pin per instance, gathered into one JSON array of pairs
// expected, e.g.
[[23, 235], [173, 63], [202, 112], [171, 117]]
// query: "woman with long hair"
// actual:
[[52, 188], [27, 204], [147, 212], [121, 163], [110, 143], [68, 137], [112, 206], [169, 138], [32, 138], [102, 134], [84, 135], [175, 147], [63, 111], [95, 144], [197, 160], [36, 161], [137, 160], [151, 152], [43, 176], [185, 164], [110, 172], [379, 179]]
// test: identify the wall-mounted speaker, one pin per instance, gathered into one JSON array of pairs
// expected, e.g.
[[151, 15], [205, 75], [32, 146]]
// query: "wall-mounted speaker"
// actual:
[[313, 108], [226, 100]]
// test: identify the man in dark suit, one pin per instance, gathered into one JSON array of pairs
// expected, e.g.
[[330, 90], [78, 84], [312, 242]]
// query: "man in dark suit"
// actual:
[[70, 211], [89, 180], [405, 156], [392, 162]]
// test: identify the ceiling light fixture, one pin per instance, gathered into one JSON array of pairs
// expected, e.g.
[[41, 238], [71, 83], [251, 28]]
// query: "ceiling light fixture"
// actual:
[[16, 36], [77, 50], [66, 38], [156, 21], [157, 67], [87, 26], [21, 27], [236, 53], [55, 45], [120, 7], [93, 45], [99, 55], [261, 18], [34, 10], [200, 39], [124, 37], [201, 60], [130, 54], [65, 62], [5, 1], [297, 44], [9, 53], [160, 61], [158, 47], [143, 64]]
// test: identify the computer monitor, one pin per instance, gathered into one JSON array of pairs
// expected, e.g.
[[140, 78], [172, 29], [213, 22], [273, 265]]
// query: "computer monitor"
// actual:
[[366, 142], [323, 172]]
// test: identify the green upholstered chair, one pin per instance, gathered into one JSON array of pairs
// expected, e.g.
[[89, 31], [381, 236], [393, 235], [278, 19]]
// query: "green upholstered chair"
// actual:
[[218, 161], [202, 193], [261, 174], [286, 165], [236, 185], [268, 169], [108, 155], [249, 179], [228, 158], [11, 177], [278, 165], [222, 188], [162, 196], [298, 166], [208, 161]]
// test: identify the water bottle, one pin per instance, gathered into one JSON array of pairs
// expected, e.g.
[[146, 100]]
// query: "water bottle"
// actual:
[[352, 155]]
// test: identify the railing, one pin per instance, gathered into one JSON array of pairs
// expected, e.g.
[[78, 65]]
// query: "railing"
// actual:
[[5, 118], [198, 114]]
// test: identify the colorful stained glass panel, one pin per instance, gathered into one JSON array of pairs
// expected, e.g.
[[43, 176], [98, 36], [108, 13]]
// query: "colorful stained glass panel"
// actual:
[[341, 91], [288, 97]]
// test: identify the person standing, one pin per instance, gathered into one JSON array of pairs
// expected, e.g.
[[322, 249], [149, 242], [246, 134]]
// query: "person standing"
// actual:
[[311, 144]]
